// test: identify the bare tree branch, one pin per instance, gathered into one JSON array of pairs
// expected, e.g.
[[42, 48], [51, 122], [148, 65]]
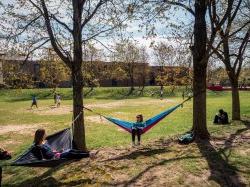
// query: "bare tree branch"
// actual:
[[61, 23], [51, 34]]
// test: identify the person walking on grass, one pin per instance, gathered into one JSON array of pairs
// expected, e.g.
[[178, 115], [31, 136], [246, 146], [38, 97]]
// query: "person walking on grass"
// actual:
[[137, 129], [58, 100], [34, 101]]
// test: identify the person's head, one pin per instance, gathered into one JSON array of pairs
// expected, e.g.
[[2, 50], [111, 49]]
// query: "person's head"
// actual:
[[40, 136], [221, 111], [139, 118]]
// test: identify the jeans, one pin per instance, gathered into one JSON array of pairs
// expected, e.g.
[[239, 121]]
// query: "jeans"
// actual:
[[74, 154], [136, 132]]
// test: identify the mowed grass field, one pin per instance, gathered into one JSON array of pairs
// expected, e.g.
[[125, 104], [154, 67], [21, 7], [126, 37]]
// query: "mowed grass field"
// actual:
[[117, 163]]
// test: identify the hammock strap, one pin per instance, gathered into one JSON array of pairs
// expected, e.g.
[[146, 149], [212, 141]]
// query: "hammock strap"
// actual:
[[90, 110]]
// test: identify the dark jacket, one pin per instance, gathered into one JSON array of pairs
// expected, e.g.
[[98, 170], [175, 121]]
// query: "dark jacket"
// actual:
[[42, 152]]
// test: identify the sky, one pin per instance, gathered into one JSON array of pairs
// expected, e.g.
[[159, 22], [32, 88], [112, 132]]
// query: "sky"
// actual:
[[162, 29]]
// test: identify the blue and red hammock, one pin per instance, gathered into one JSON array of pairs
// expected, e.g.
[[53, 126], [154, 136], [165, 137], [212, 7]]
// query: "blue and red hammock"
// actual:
[[148, 124]]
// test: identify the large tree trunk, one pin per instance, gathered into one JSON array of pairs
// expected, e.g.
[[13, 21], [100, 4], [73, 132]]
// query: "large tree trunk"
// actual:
[[79, 131], [77, 77], [200, 65], [233, 80], [235, 99]]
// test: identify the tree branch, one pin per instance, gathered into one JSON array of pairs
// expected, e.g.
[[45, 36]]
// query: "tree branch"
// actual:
[[61, 23], [51, 34], [180, 5], [89, 17]]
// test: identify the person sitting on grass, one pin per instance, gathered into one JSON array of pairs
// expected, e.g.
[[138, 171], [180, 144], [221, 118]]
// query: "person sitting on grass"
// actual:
[[137, 129], [221, 117], [43, 151], [34, 101]]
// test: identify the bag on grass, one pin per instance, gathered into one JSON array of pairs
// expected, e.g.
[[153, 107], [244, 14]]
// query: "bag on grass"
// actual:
[[186, 138]]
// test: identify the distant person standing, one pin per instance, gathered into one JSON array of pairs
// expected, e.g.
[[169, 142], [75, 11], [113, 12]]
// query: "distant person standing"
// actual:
[[58, 100], [34, 101]]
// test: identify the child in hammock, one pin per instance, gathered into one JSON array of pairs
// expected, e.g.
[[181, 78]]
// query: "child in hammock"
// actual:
[[137, 129]]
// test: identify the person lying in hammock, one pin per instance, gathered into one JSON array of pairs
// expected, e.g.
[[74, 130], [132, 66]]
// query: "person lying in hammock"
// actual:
[[43, 151], [137, 129]]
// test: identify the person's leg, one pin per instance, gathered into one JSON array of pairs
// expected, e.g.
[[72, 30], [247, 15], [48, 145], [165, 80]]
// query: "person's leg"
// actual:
[[133, 136], [74, 154], [216, 119], [139, 136]]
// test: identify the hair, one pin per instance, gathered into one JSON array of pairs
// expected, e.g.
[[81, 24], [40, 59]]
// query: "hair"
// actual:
[[221, 111], [140, 116], [39, 136]]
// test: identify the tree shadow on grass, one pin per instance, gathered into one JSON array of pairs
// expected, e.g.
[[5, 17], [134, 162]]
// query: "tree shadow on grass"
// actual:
[[221, 170], [135, 154], [47, 179], [246, 123], [43, 180], [134, 179]]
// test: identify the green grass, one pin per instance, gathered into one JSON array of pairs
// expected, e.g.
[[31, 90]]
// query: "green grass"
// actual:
[[14, 105]]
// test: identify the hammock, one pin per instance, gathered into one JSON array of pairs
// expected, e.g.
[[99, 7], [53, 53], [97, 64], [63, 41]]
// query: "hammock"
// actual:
[[61, 140], [148, 123]]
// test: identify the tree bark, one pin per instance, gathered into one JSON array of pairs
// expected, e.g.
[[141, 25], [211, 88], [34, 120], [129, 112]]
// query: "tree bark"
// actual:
[[78, 128], [235, 99], [77, 78], [200, 66], [131, 77]]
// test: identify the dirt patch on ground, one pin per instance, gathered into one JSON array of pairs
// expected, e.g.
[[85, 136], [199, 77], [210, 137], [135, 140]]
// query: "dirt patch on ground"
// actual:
[[101, 120], [96, 119], [114, 104], [21, 129], [52, 110], [67, 109], [232, 140]]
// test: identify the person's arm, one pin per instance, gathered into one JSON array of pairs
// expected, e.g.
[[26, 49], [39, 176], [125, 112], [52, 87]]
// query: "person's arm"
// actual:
[[47, 152], [133, 125]]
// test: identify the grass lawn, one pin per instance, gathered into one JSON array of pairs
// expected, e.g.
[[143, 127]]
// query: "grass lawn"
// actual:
[[159, 161]]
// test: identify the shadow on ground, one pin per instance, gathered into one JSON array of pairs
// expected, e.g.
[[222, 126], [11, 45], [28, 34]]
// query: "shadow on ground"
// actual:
[[221, 170]]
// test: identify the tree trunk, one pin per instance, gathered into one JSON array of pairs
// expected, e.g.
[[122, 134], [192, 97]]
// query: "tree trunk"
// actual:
[[132, 88], [77, 77], [78, 128], [200, 66], [235, 99]]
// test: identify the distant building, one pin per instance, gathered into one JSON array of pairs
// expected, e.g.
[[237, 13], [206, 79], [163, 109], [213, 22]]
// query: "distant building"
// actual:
[[33, 69], [30, 67]]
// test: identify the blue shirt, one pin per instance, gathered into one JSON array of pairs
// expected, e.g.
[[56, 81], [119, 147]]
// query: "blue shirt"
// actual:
[[138, 125]]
